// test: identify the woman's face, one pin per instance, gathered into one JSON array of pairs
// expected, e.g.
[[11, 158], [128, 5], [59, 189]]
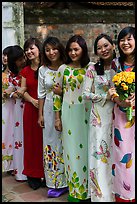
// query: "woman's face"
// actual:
[[4, 59], [21, 62], [75, 52], [127, 44], [32, 52], [52, 53], [105, 49]]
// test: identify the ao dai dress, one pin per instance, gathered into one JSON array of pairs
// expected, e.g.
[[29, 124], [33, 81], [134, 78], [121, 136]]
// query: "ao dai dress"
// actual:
[[75, 114], [18, 154], [54, 168], [99, 135], [123, 167], [7, 127], [33, 141]]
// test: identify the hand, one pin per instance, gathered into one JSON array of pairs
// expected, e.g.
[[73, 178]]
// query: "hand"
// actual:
[[15, 95], [57, 89], [21, 91], [128, 102], [35, 102], [41, 121], [111, 92], [58, 125]]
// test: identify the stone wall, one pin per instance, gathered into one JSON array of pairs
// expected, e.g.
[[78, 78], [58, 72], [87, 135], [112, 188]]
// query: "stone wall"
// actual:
[[86, 22]]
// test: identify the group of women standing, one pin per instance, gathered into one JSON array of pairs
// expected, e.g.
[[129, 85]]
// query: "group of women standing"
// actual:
[[71, 113]]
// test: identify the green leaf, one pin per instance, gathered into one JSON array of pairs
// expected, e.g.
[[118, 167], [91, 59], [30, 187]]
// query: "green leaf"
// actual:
[[67, 72], [82, 71], [71, 186], [80, 78], [84, 168], [81, 189], [76, 179], [76, 185], [80, 99], [74, 174], [84, 196], [75, 73], [81, 145], [59, 74], [69, 132]]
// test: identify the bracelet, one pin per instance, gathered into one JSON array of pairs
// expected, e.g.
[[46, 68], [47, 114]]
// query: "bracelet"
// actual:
[[114, 96]]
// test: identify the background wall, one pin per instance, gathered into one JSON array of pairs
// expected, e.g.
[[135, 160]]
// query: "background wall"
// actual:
[[66, 19], [20, 20]]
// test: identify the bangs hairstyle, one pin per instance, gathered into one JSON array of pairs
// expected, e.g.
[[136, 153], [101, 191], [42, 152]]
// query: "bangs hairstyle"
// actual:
[[14, 54], [82, 43], [5, 52], [124, 32], [55, 42], [99, 66], [30, 42]]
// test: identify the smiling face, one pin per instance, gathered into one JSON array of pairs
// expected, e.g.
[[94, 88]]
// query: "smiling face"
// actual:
[[105, 49], [32, 52], [127, 44], [75, 52], [52, 53]]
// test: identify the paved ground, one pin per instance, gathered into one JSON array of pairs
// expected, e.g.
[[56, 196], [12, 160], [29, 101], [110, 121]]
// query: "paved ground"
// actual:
[[13, 191]]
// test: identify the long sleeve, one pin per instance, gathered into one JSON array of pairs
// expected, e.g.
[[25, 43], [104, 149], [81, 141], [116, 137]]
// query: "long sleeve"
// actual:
[[41, 83], [89, 89], [57, 100]]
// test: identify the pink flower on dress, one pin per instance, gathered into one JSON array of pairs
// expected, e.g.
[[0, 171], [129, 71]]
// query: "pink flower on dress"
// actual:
[[89, 74]]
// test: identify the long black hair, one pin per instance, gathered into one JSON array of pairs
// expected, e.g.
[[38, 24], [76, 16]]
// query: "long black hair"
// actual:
[[99, 66], [28, 43], [82, 43], [14, 54], [125, 31], [57, 44], [5, 52]]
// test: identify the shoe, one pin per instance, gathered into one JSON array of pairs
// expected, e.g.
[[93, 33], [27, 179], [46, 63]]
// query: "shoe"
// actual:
[[34, 183], [21, 181], [11, 172], [54, 193]]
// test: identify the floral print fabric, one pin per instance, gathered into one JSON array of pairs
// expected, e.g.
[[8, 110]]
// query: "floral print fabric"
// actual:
[[7, 127], [99, 135], [18, 154], [54, 168], [75, 115], [123, 167]]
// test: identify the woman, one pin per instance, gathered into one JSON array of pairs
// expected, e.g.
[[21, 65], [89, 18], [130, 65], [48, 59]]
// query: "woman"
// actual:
[[16, 62], [7, 116], [96, 86], [53, 57], [73, 118], [123, 167], [33, 143]]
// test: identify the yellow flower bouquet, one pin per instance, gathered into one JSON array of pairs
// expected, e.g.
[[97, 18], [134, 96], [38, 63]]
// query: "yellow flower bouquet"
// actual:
[[125, 85]]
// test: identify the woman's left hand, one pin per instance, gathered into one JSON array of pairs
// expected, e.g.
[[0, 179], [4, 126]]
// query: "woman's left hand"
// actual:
[[57, 89]]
